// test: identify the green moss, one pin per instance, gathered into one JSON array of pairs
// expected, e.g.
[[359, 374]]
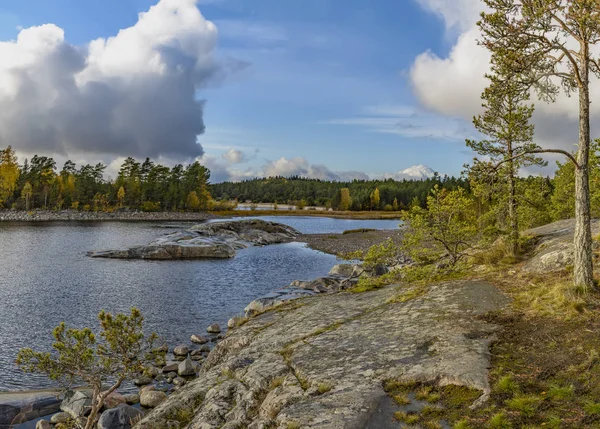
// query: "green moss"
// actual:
[[507, 385], [323, 388], [592, 408], [293, 425], [461, 424], [561, 393], [499, 421], [524, 404]]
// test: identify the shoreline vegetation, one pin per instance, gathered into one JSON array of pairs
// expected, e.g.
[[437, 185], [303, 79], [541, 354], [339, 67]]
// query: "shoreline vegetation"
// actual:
[[163, 216]]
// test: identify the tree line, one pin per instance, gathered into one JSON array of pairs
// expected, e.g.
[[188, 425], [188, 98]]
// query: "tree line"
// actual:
[[38, 184], [355, 195]]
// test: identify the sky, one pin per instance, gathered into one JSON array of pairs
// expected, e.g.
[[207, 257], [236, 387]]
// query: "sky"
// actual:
[[332, 89]]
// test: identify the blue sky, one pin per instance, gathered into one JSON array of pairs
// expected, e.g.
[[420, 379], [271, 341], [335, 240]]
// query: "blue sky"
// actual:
[[322, 80]]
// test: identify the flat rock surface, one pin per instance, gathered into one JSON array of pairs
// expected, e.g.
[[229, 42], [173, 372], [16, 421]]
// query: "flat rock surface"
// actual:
[[320, 362], [554, 246]]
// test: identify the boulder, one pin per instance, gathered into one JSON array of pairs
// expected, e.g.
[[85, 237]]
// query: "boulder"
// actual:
[[151, 371], [43, 424], [132, 398], [122, 417], [60, 418], [235, 322], [114, 400], [198, 339], [142, 380], [152, 398], [204, 349], [214, 329], [347, 270], [170, 368], [181, 350], [77, 404], [186, 368]]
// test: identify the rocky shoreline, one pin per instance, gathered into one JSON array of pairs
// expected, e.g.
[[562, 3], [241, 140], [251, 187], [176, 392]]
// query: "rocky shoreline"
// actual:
[[83, 216], [350, 241]]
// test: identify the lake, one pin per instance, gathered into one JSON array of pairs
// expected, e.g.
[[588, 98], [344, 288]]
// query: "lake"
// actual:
[[47, 278]]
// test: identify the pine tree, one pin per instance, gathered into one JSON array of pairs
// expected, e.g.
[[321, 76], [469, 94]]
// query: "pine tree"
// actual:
[[506, 123], [544, 42]]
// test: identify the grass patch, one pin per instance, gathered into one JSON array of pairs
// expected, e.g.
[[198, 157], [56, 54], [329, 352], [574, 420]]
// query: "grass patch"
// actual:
[[276, 382], [401, 399], [367, 284], [408, 418]]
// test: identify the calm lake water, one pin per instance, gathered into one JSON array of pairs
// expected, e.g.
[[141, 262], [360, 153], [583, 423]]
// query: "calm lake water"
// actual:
[[47, 278]]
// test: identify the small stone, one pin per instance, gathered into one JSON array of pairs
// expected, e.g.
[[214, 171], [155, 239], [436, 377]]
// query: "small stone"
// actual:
[[172, 374], [186, 368], [198, 339], [43, 424], [181, 350], [214, 329], [152, 398], [204, 349], [179, 381], [197, 358]]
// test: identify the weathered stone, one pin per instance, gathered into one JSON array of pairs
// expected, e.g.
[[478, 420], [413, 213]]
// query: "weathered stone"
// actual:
[[181, 350], [347, 270], [214, 329], [353, 342], [186, 368], [43, 424], [235, 321], [122, 417], [204, 349], [152, 398], [77, 403], [199, 339]]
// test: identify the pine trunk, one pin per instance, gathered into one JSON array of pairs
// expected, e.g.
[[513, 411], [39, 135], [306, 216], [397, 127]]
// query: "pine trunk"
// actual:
[[583, 274], [512, 204]]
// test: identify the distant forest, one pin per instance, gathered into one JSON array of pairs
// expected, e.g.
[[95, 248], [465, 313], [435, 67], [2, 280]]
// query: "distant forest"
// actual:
[[356, 195]]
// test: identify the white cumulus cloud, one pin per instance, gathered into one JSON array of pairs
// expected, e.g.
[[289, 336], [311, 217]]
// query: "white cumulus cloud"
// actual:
[[133, 94]]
